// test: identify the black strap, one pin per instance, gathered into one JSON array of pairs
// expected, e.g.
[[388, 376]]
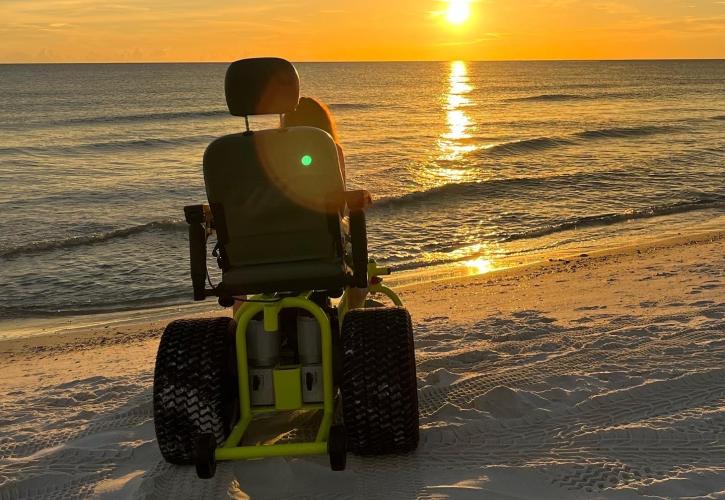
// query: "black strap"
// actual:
[[222, 234]]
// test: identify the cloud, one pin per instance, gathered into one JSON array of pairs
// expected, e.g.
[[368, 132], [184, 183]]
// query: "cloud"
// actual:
[[694, 25], [651, 26], [463, 43]]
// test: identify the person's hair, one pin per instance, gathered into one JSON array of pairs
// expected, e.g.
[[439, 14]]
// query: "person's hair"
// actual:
[[311, 112]]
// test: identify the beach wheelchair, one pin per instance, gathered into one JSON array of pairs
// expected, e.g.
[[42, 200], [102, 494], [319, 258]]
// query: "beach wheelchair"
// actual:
[[291, 243]]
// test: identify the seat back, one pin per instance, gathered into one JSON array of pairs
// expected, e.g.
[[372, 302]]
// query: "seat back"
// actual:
[[276, 196]]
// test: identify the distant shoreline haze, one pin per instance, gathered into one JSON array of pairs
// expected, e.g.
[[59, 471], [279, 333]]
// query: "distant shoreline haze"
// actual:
[[664, 59]]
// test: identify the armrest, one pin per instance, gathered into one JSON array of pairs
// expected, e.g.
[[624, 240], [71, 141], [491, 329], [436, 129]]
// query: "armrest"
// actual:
[[359, 243], [199, 214], [358, 200], [196, 216]]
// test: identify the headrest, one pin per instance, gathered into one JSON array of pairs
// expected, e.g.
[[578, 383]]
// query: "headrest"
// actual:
[[261, 86]]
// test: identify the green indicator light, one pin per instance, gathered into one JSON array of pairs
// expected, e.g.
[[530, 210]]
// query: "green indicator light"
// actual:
[[306, 161]]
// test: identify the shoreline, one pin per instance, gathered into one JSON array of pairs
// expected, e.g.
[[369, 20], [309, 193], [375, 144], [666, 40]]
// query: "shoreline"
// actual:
[[368, 61], [32, 335], [473, 260]]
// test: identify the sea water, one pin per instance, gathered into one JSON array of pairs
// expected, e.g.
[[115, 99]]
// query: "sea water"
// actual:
[[469, 162]]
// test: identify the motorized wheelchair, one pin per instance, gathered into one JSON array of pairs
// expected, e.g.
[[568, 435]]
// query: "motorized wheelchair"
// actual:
[[291, 242]]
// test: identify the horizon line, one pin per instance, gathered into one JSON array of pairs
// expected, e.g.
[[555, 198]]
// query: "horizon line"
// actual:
[[382, 61]]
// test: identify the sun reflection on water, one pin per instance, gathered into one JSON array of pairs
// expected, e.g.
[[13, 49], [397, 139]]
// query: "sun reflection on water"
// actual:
[[479, 266], [459, 79], [453, 142], [476, 258], [450, 166]]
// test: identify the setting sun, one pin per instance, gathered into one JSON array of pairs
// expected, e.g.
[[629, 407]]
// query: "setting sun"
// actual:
[[458, 11]]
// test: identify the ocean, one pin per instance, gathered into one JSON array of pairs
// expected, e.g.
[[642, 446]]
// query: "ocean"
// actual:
[[471, 164]]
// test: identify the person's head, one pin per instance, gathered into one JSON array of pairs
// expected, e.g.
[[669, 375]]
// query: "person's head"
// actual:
[[311, 113]]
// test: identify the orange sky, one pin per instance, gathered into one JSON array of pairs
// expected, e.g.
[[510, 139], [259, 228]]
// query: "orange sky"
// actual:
[[348, 30]]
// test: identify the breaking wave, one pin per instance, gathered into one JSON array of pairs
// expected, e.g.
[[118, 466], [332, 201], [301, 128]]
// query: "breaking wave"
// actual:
[[550, 97], [623, 132], [615, 218], [541, 143], [77, 241], [526, 145], [112, 146], [143, 117]]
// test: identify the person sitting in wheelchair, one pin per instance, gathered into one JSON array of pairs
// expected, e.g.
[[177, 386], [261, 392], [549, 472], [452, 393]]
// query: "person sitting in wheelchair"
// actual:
[[311, 112]]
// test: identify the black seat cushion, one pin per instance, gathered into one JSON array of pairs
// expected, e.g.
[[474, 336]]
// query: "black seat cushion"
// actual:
[[288, 276]]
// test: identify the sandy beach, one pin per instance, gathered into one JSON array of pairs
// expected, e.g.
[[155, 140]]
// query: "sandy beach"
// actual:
[[592, 376]]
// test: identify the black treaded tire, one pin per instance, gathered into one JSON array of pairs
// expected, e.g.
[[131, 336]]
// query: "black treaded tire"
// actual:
[[195, 386], [379, 385]]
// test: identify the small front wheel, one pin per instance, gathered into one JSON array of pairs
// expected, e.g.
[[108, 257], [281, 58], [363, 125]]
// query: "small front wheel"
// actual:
[[205, 459], [337, 447]]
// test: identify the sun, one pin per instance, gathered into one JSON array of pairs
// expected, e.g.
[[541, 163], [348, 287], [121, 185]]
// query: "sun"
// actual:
[[458, 11]]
